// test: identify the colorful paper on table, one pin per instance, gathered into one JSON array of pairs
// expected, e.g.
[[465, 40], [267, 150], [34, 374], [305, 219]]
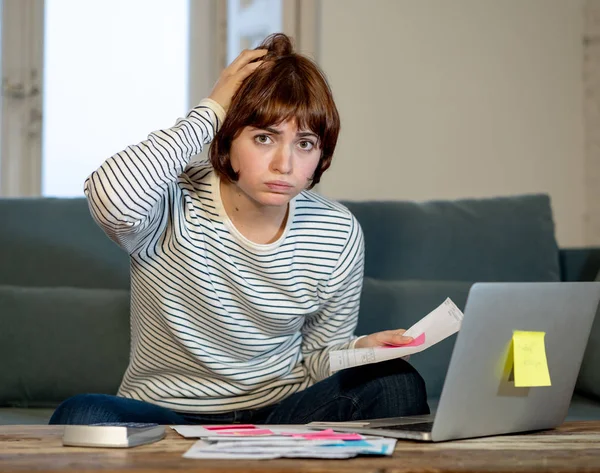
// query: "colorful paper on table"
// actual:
[[248, 430], [302, 449], [329, 434], [350, 443], [415, 342], [530, 363], [280, 431], [244, 432], [225, 442], [340, 436], [229, 427]]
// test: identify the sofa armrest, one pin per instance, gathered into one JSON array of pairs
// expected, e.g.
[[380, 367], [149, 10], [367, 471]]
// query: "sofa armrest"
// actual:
[[579, 264]]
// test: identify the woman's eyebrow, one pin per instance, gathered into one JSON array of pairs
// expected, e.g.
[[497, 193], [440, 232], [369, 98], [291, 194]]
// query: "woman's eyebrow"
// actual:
[[303, 134], [267, 128], [275, 131]]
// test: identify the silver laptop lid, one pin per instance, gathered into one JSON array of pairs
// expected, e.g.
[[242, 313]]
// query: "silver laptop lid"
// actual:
[[479, 396]]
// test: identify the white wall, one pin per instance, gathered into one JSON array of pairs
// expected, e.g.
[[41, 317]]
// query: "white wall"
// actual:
[[464, 98], [591, 84]]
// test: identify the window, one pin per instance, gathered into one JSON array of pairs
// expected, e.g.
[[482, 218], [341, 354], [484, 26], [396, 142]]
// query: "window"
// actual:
[[249, 22], [84, 79], [114, 71]]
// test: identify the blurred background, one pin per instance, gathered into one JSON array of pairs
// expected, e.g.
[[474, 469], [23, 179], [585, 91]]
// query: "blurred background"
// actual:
[[439, 99]]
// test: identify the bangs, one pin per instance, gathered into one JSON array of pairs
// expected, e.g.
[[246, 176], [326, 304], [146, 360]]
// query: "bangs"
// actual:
[[288, 90], [286, 104]]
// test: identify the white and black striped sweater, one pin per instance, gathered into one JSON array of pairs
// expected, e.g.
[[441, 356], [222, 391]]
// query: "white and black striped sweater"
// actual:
[[219, 323]]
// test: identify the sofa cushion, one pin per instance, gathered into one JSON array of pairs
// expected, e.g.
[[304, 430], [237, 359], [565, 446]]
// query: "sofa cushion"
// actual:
[[493, 239], [55, 242], [58, 342], [389, 305], [588, 380]]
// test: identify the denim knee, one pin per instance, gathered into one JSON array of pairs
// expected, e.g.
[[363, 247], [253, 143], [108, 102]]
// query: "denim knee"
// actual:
[[77, 409], [407, 382], [387, 389]]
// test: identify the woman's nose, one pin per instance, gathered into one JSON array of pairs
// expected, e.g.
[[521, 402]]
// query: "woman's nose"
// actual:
[[282, 161]]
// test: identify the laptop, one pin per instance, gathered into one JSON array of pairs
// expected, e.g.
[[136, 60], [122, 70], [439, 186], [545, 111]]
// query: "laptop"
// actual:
[[479, 397]]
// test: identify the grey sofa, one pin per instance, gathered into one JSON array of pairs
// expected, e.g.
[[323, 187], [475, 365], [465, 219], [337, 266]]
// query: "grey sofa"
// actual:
[[64, 288]]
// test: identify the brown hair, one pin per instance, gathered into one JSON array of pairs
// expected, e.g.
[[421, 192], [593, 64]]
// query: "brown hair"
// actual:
[[286, 86]]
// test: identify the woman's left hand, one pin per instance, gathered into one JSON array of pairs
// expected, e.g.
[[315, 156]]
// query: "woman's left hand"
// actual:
[[385, 338]]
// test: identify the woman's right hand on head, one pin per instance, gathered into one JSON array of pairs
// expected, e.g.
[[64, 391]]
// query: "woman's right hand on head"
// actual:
[[233, 75]]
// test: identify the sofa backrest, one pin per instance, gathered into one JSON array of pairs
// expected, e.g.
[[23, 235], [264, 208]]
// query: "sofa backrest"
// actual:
[[47, 242], [55, 242], [492, 239]]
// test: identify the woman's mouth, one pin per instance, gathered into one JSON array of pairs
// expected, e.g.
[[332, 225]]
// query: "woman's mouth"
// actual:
[[278, 186]]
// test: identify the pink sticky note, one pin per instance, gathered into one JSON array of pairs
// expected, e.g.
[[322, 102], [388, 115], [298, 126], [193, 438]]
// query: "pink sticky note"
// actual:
[[245, 432], [329, 434], [229, 427], [415, 343], [317, 432], [335, 437]]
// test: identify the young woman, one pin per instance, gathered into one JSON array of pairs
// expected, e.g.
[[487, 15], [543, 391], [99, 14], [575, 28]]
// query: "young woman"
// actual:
[[242, 279]]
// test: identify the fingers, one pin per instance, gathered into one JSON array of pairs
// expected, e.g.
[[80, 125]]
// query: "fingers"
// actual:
[[248, 69], [233, 76], [245, 58], [385, 338], [394, 337]]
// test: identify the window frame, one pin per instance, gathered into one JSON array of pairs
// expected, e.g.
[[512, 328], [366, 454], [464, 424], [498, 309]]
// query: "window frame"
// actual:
[[21, 112], [22, 44]]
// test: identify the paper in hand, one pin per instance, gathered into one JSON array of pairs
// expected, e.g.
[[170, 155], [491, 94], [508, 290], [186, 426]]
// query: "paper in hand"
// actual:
[[439, 324]]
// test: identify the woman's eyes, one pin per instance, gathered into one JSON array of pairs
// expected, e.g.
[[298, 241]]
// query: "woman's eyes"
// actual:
[[307, 145], [304, 145], [262, 139]]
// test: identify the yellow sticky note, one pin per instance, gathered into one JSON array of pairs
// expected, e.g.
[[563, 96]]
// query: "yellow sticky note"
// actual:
[[530, 363]]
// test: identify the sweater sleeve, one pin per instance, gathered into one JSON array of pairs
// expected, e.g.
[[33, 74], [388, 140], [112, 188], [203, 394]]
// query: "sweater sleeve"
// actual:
[[127, 194], [332, 327]]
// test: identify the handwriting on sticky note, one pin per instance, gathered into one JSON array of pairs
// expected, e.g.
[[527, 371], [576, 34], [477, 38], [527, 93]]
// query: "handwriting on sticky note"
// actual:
[[414, 343], [530, 363]]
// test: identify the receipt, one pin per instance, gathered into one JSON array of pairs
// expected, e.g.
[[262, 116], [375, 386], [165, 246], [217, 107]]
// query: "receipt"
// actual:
[[439, 324]]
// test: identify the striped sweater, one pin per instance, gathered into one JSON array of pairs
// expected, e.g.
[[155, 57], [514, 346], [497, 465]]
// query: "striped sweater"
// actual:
[[219, 323]]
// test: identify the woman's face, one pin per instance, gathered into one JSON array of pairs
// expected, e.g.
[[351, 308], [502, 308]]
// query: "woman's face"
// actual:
[[274, 163]]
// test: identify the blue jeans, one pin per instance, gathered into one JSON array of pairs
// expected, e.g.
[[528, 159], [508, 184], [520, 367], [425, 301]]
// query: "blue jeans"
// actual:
[[388, 389]]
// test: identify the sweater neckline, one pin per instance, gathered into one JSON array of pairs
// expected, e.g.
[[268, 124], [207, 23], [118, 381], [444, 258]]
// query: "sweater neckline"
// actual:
[[215, 188]]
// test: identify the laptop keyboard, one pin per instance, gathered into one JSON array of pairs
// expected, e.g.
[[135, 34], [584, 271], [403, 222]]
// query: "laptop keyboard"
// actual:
[[418, 427]]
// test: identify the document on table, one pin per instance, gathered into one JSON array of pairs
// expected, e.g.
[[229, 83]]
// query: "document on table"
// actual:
[[439, 324], [295, 448], [259, 442], [234, 432]]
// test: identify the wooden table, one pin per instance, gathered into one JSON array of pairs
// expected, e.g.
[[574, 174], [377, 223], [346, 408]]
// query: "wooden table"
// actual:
[[574, 447]]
